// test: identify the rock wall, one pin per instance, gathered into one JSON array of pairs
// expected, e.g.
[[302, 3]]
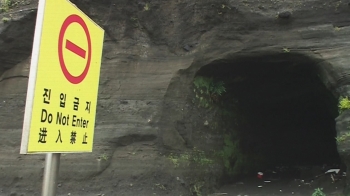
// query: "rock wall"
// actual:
[[152, 51]]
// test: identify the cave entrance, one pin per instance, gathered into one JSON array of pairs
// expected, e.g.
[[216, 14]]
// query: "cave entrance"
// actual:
[[287, 114]]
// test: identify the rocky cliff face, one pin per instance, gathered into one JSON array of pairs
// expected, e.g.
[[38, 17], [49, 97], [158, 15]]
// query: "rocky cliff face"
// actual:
[[146, 105]]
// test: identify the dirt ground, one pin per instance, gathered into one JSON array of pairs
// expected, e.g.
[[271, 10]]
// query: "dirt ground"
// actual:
[[286, 184], [141, 169]]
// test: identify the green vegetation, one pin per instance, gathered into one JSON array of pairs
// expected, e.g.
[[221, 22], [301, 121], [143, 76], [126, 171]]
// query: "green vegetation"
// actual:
[[160, 186], [5, 5], [318, 192], [337, 28], [209, 86], [231, 155], [5, 19], [196, 188], [235, 160], [342, 138], [195, 156], [146, 7], [344, 104], [135, 22], [229, 152], [223, 6], [207, 91], [177, 159], [286, 50], [337, 4], [200, 158], [103, 156]]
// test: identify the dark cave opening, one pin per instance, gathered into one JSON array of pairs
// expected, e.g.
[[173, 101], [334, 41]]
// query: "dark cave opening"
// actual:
[[288, 112]]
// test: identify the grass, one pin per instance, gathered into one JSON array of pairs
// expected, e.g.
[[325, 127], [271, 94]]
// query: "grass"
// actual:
[[336, 29], [146, 7], [160, 186], [6, 5], [196, 188], [318, 192], [342, 138], [174, 159], [207, 91], [285, 50], [5, 20], [195, 156], [135, 21], [200, 158], [223, 6], [104, 157], [344, 104]]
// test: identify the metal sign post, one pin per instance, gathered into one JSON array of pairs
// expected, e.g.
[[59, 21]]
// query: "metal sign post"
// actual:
[[52, 164]]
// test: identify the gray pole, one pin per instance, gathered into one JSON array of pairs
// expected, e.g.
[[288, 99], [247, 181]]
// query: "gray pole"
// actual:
[[52, 163]]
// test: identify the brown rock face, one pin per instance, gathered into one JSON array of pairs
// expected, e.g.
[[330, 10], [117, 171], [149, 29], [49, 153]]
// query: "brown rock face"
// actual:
[[268, 53]]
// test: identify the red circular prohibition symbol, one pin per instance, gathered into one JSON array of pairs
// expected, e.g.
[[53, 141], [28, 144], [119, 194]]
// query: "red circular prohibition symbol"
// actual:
[[69, 20]]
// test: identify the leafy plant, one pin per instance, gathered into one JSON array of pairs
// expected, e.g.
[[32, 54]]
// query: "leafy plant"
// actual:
[[196, 189], [285, 50], [196, 156], [342, 138], [174, 159], [344, 104], [223, 6], [160, 186], [103, 156], [199, 157], [5, 5], [207, 90], [5, 19], [235, 160], [135, 22], [146, 7], [318, 192], [229, 152]]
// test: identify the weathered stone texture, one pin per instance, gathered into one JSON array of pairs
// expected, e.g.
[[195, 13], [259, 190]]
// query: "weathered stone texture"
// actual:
[[152, 51]]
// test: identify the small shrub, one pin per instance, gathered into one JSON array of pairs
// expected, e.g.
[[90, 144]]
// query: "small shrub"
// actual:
[[344, 104], [200, 158], [318, 192], [207, 90], [103, 157], [285, 50], [230, 153], [146, 7], [196, 156], [342, 138], [160, 186], [5, 5], [196, 188], [174, 159], [5, 20], [235, 160]]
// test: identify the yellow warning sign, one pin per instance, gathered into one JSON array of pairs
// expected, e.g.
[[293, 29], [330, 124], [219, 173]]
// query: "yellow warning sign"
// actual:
[[63, 81]]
